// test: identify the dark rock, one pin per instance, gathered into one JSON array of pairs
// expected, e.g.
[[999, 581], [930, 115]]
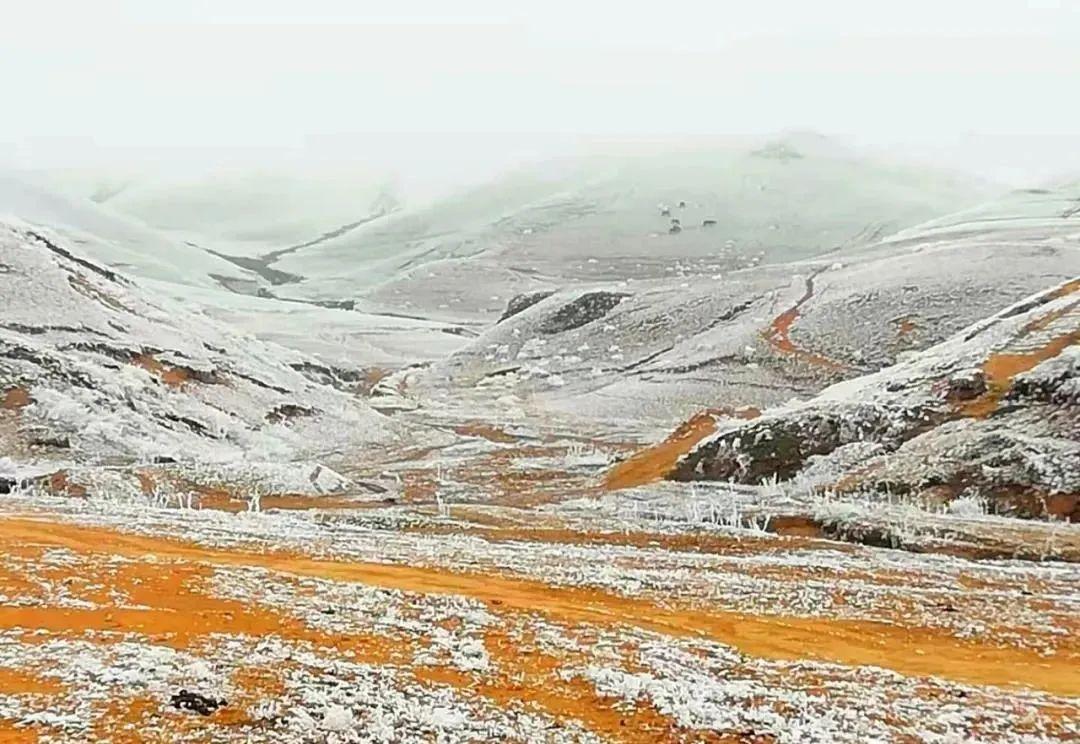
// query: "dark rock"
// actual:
[[780, 447], [761, 450], [196, 703], [582, 311], [965, 385], [337, 377], [50, 441], [288, 412], [112, 276], [459, 331], [523, 302]]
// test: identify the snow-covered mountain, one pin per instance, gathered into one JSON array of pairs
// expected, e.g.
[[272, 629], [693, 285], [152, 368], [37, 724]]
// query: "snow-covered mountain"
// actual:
[[624, 216]]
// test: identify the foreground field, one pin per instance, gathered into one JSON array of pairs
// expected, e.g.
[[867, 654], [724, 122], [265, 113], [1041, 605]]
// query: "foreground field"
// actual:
[[393, 622]]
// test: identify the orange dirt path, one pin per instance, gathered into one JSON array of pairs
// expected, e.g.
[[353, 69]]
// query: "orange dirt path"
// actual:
[[912, 651], [223, 499], [778, 334], [656, 462], [1001, 369]]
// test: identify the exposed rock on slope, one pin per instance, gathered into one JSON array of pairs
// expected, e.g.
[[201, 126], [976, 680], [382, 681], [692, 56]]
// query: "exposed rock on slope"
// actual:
[[586, 309], [96, 369], [521, 302], [992, 412]]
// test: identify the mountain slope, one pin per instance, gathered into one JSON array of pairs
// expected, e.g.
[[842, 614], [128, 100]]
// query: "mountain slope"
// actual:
[[990, 413], [96, 369], [612, 217], [661, 350], [114, 240]]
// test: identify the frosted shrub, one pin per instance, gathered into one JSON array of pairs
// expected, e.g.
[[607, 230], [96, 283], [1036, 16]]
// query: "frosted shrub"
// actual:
[[968, 506]]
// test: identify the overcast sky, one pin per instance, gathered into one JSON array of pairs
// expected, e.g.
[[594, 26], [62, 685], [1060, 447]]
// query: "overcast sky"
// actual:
[[89, 78]]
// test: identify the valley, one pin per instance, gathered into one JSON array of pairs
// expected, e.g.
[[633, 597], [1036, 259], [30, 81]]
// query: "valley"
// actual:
[[527, 463]]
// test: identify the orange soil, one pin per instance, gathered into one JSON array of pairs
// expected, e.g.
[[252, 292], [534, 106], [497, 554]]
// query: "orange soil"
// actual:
[[15, 398], [169, 604], [226, 499], [656, 462], [496, 477], [530, 488], [21, 682], [177, 612], [485, 431], [178, 615], [911, 651], [222, 499], [9, 734], [147, 481], [1001, 369], [418, 486], [174, 377], [536, 680], [1065, 289], [525, 674], [905, 328], [60, 484], [778, 334], [686, 542], [371, 377]]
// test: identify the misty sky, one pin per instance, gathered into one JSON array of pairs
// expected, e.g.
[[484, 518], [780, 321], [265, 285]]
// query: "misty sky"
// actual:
[[93, 78]]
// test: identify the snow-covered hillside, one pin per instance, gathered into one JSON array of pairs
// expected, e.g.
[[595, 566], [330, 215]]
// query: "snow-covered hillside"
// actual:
[[98, 369], [992, 413], [707, 338], [618, 216], [117, 241]]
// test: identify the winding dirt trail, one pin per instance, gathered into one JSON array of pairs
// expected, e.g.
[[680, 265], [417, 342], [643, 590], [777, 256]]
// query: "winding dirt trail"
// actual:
[[778, 333], [909, 651], [1001, 368]]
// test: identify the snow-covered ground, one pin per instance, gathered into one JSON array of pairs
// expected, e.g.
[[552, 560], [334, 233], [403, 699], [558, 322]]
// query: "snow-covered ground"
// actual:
[[528, 464]]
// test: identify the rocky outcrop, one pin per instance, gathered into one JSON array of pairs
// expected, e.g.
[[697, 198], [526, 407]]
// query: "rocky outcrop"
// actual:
[[585, 309], [992, 412], [522, 302]]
